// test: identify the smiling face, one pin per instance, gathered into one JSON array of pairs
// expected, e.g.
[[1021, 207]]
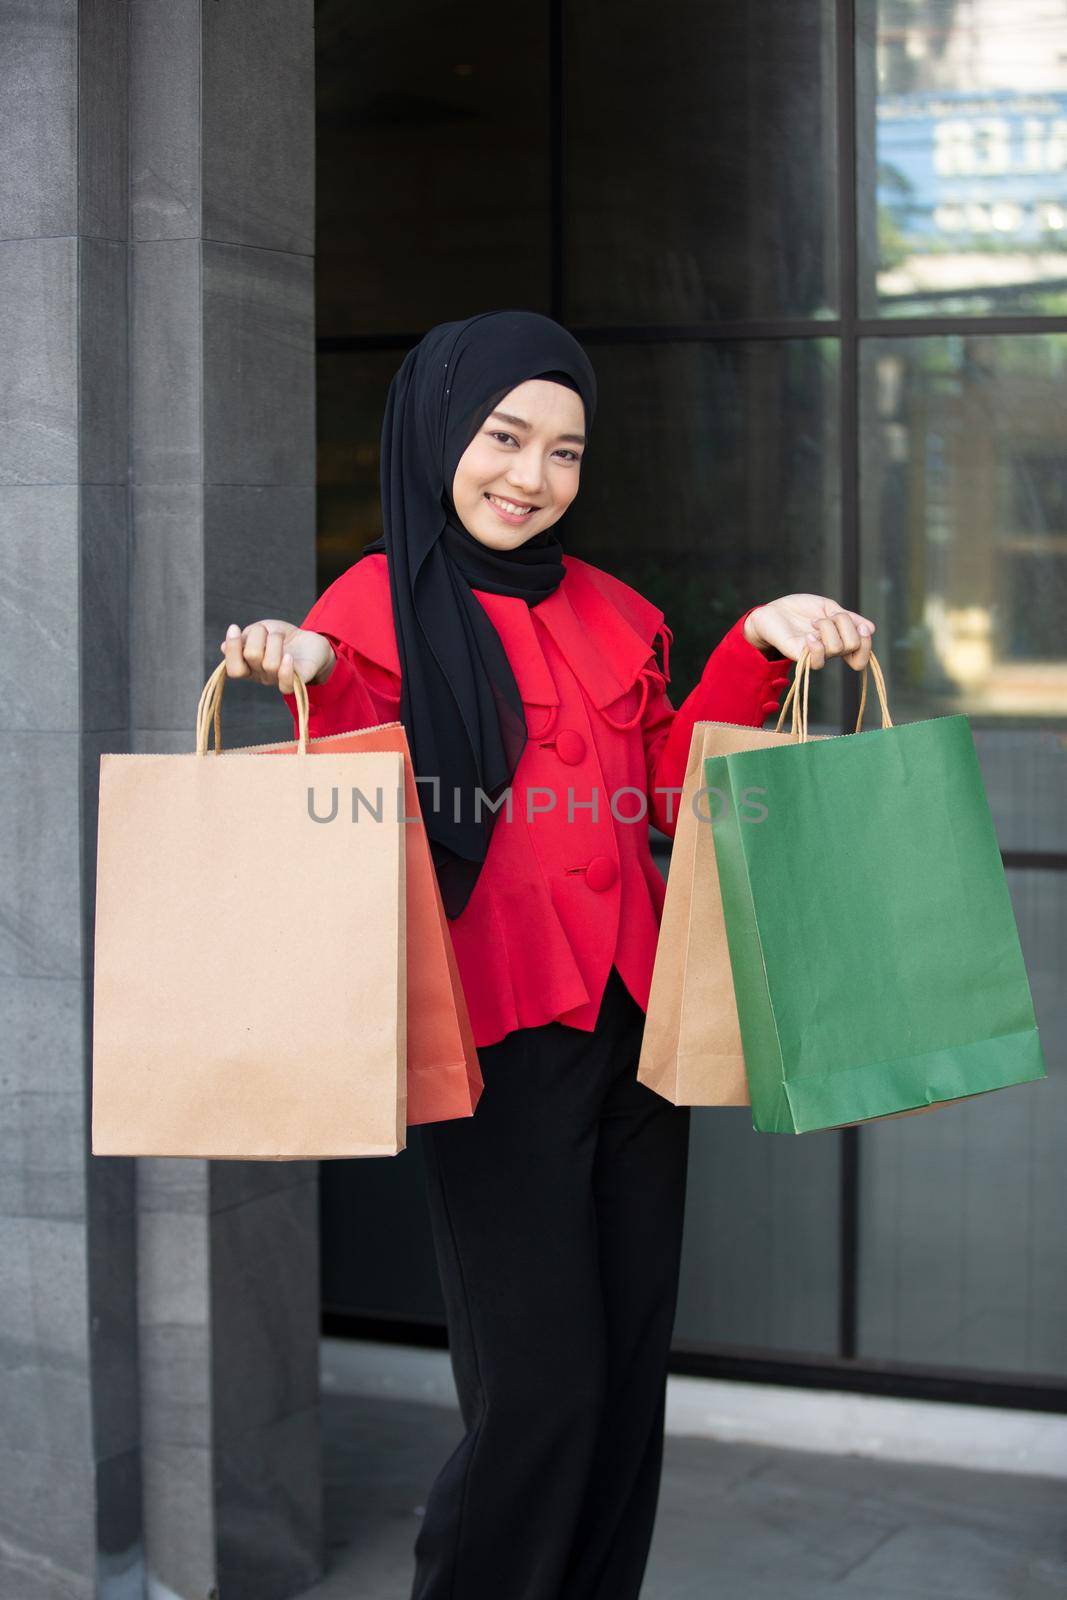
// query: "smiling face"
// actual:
[[527, 452]]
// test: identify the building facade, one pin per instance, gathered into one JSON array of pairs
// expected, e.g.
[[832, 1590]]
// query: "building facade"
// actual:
[[818, 255]]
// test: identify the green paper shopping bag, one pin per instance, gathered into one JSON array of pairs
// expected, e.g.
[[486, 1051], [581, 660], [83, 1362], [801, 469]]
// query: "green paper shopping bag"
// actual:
[[873, 945]]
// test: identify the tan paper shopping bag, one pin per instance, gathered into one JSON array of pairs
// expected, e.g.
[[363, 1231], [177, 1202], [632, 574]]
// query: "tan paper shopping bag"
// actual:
[[691, 1048], [224, 1025], [444, 1077]]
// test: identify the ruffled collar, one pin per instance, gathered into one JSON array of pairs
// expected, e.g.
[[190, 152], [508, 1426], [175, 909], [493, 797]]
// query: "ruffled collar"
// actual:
[[604, 630]]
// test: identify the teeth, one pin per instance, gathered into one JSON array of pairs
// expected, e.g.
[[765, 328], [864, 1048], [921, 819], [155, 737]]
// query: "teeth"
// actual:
[[509, 505]]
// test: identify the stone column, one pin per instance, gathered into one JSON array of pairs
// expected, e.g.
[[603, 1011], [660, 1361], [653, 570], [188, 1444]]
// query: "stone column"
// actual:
[[159, 1321]]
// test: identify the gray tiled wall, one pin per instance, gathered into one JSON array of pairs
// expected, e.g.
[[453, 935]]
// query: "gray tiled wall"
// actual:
[[159, 1321]]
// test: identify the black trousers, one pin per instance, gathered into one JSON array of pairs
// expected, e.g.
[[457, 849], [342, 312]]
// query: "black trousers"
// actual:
[[557, 1221]]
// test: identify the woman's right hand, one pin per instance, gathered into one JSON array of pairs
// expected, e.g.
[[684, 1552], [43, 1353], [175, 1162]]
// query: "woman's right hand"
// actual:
[[270, 650]]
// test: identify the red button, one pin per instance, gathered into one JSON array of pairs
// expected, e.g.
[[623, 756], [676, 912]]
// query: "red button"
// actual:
[[779, 683], [570, 746], [601, 873], [770, 705]]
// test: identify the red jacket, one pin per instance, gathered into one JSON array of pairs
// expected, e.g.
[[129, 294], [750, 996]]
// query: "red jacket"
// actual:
[[558, 901]]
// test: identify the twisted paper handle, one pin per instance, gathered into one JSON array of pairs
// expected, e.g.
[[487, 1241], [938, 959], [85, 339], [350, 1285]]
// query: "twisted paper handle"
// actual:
[[209, 712], [802, 678]]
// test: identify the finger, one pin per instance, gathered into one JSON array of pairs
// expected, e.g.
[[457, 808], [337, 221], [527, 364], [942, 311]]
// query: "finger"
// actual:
[[272, 655], [858, 659], [232, 653], [816, 650], [864, 630], [856, 649], [255, 637], [286, 684], [829, 636]]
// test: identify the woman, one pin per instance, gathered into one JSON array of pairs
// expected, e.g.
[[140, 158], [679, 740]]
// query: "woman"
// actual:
[[537, 713]]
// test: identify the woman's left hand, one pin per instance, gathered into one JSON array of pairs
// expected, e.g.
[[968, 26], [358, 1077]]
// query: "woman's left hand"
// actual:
[[813, 621]]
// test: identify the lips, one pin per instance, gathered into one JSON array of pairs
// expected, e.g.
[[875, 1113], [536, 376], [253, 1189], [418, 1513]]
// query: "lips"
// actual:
[[509, 515]]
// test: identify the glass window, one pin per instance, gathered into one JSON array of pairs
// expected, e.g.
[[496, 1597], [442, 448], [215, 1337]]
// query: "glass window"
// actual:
[[433, 154], [711, 483], [684, 170], [1025, 776], [351, 390], [700, 162], [964, 566], [760, 1264], [964, 1208], [964, 523], [962, 154]]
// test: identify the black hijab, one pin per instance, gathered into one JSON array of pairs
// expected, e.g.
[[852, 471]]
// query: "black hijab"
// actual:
[[459, 702]]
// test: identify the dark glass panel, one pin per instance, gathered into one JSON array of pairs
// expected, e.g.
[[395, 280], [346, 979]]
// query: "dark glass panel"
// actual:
[[711, 485], [433, 197], [963, 1210], [700, 161]]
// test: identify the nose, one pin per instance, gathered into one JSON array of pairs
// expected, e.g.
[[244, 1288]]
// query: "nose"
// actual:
[[526, 474]]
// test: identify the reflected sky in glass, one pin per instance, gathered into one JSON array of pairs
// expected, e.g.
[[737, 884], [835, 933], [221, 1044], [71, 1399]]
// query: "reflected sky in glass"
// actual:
[[962, 149]]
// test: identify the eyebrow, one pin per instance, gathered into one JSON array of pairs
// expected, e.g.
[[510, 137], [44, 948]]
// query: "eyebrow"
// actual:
[[572, 438]]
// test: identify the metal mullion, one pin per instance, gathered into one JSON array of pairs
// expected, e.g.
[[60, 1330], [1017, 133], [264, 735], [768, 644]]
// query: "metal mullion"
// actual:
[[900, 1380], [938, 327], [1034, 860], [848, 443], [749, 329], [630, 333], [905, 1380]]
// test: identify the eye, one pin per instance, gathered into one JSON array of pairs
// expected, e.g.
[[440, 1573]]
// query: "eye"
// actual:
[[498, 433]]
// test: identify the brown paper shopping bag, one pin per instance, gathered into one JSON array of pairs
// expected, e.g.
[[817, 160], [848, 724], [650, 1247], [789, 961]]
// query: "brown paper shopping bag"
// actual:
[[224, 1027], [444, 1078], [691, 1048]]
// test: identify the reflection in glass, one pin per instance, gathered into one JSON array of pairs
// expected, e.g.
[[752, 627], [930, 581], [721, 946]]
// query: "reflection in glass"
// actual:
[[963, 156], [699, 162], [711, 484], [963, 1209], [1025, 777], [760, 1265], [964, 523], [433, 156], [351, 392]]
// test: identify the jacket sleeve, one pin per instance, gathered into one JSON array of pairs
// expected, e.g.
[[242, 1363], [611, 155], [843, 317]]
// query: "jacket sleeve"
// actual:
[[359, 693], [739, 684]]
